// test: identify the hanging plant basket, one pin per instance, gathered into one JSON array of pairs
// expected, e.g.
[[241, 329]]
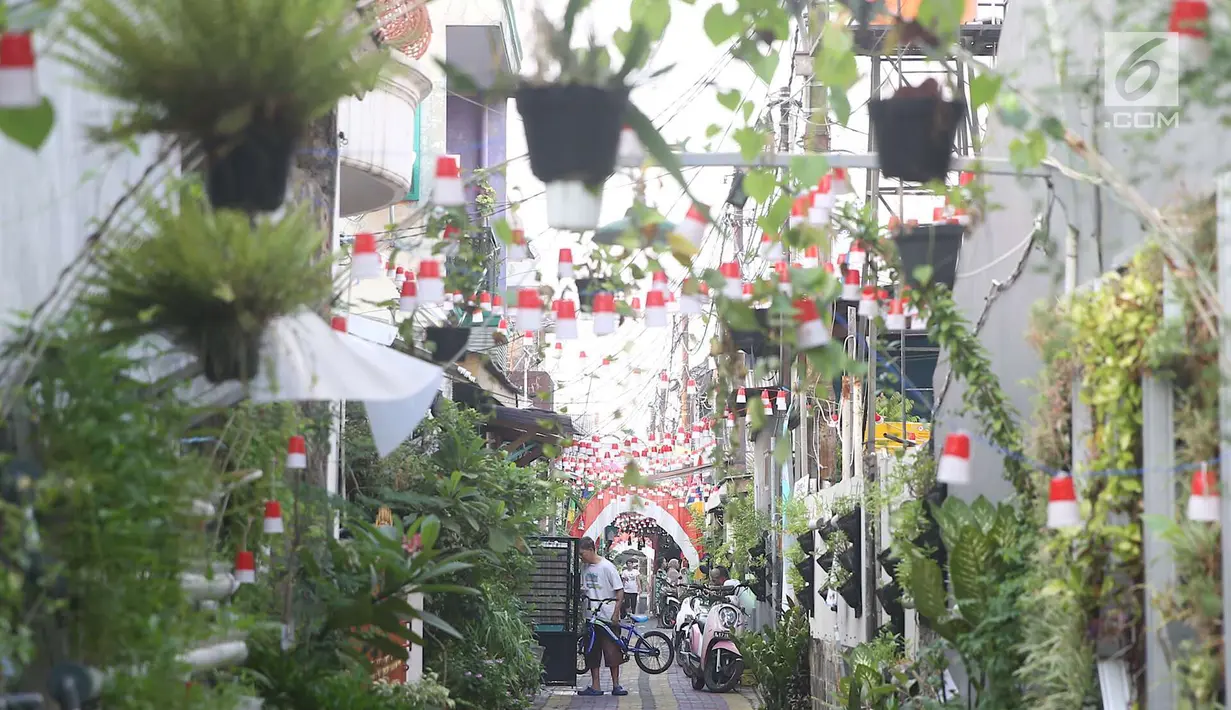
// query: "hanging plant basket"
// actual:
[[935, 245], [826, 528], [250, 171], [888, 561], [825, 560], [914, 132], [850, 593], [572, 131], [446, 342], [227, 354], [849, 524], [890, 598], [754, 342]]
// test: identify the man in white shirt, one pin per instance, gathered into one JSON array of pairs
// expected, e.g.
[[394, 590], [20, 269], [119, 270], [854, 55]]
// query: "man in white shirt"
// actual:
[[630, 576], [600, 580]]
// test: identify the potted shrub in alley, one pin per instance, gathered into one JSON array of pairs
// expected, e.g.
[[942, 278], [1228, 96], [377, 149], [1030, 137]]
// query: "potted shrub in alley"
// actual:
[[211, 281], [244, 79], [914, 131]]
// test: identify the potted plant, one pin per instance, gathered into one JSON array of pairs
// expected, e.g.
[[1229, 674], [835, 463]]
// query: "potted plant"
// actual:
[[848, 523], [933, 245], [244, 79], [211, 281], [890, 597], [446, 342], [825, 560], [914, 132], [573, 111]]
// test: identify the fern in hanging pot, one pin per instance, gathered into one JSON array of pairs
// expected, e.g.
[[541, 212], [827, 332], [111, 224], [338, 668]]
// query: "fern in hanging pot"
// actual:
[[210, 281], [244, 78]]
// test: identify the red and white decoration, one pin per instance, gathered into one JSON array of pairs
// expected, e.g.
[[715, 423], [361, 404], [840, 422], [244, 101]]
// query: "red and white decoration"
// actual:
[[18, 76], [732, 286], [273, 518], [896, 318], [529, 310], [1062, 508], [566, 320], [693, 227], [655, 310], [841, 182], [604, 313], [448, 191], [365, 262], [245, 567], [851, 285], [297, 453], [431, 282], [1190, 20], [954, 467], [565, 270], [408, 300], [1204, 501], [811, 330], [869, 307]]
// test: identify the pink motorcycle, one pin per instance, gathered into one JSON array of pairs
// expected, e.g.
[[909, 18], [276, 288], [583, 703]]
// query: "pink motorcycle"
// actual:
[[719, 664]]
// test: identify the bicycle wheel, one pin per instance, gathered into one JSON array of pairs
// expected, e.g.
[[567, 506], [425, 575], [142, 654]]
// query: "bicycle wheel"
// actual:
[[582, 664], [654, 652]]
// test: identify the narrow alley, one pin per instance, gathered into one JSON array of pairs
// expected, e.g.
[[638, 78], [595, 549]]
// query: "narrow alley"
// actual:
[[669, 691]]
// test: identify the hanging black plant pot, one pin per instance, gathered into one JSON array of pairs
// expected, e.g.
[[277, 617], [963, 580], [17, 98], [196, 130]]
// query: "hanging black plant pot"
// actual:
[[931, 539], [249, 171], [446, 343], [587, 288], [849, 523], [914, 133], [850, 593], [227, 355], [888, 561], [754, 342], [936, 245], [825, 560], [826, 528], [572, 130], [890, 598]]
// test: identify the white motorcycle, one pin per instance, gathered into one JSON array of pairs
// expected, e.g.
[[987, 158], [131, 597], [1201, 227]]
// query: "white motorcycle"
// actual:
[[694, 606]]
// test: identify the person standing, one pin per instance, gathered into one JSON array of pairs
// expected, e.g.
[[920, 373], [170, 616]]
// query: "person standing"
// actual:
[[631, 578], [600, 580]]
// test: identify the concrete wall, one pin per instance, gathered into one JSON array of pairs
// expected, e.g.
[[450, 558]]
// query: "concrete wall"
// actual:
[[1108, 231]]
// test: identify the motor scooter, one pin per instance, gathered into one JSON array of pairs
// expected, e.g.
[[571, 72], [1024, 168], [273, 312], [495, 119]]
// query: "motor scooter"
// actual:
[[670, 608], [694, 606], [719, 665]]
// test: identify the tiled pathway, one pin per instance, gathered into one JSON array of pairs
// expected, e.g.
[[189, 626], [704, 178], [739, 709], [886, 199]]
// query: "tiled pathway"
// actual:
[[667, 691]]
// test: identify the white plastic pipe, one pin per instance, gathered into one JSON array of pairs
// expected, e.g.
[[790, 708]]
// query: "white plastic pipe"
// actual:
[[227, 653]]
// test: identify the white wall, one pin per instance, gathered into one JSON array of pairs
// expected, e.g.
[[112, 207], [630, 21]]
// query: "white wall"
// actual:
[[50, 200]]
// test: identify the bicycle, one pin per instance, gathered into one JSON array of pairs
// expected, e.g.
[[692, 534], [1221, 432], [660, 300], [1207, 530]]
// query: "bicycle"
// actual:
[[653, 652]]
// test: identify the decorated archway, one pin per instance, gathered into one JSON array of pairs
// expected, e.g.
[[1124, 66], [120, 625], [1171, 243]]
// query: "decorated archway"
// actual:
[[668, 512]]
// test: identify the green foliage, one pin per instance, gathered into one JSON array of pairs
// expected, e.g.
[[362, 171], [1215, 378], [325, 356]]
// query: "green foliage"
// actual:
[[214, 71], [893, 406], [493, 667], [354, 690], [871, 664], [209, 280], [987, 569], [777, 657], [115, 532]]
